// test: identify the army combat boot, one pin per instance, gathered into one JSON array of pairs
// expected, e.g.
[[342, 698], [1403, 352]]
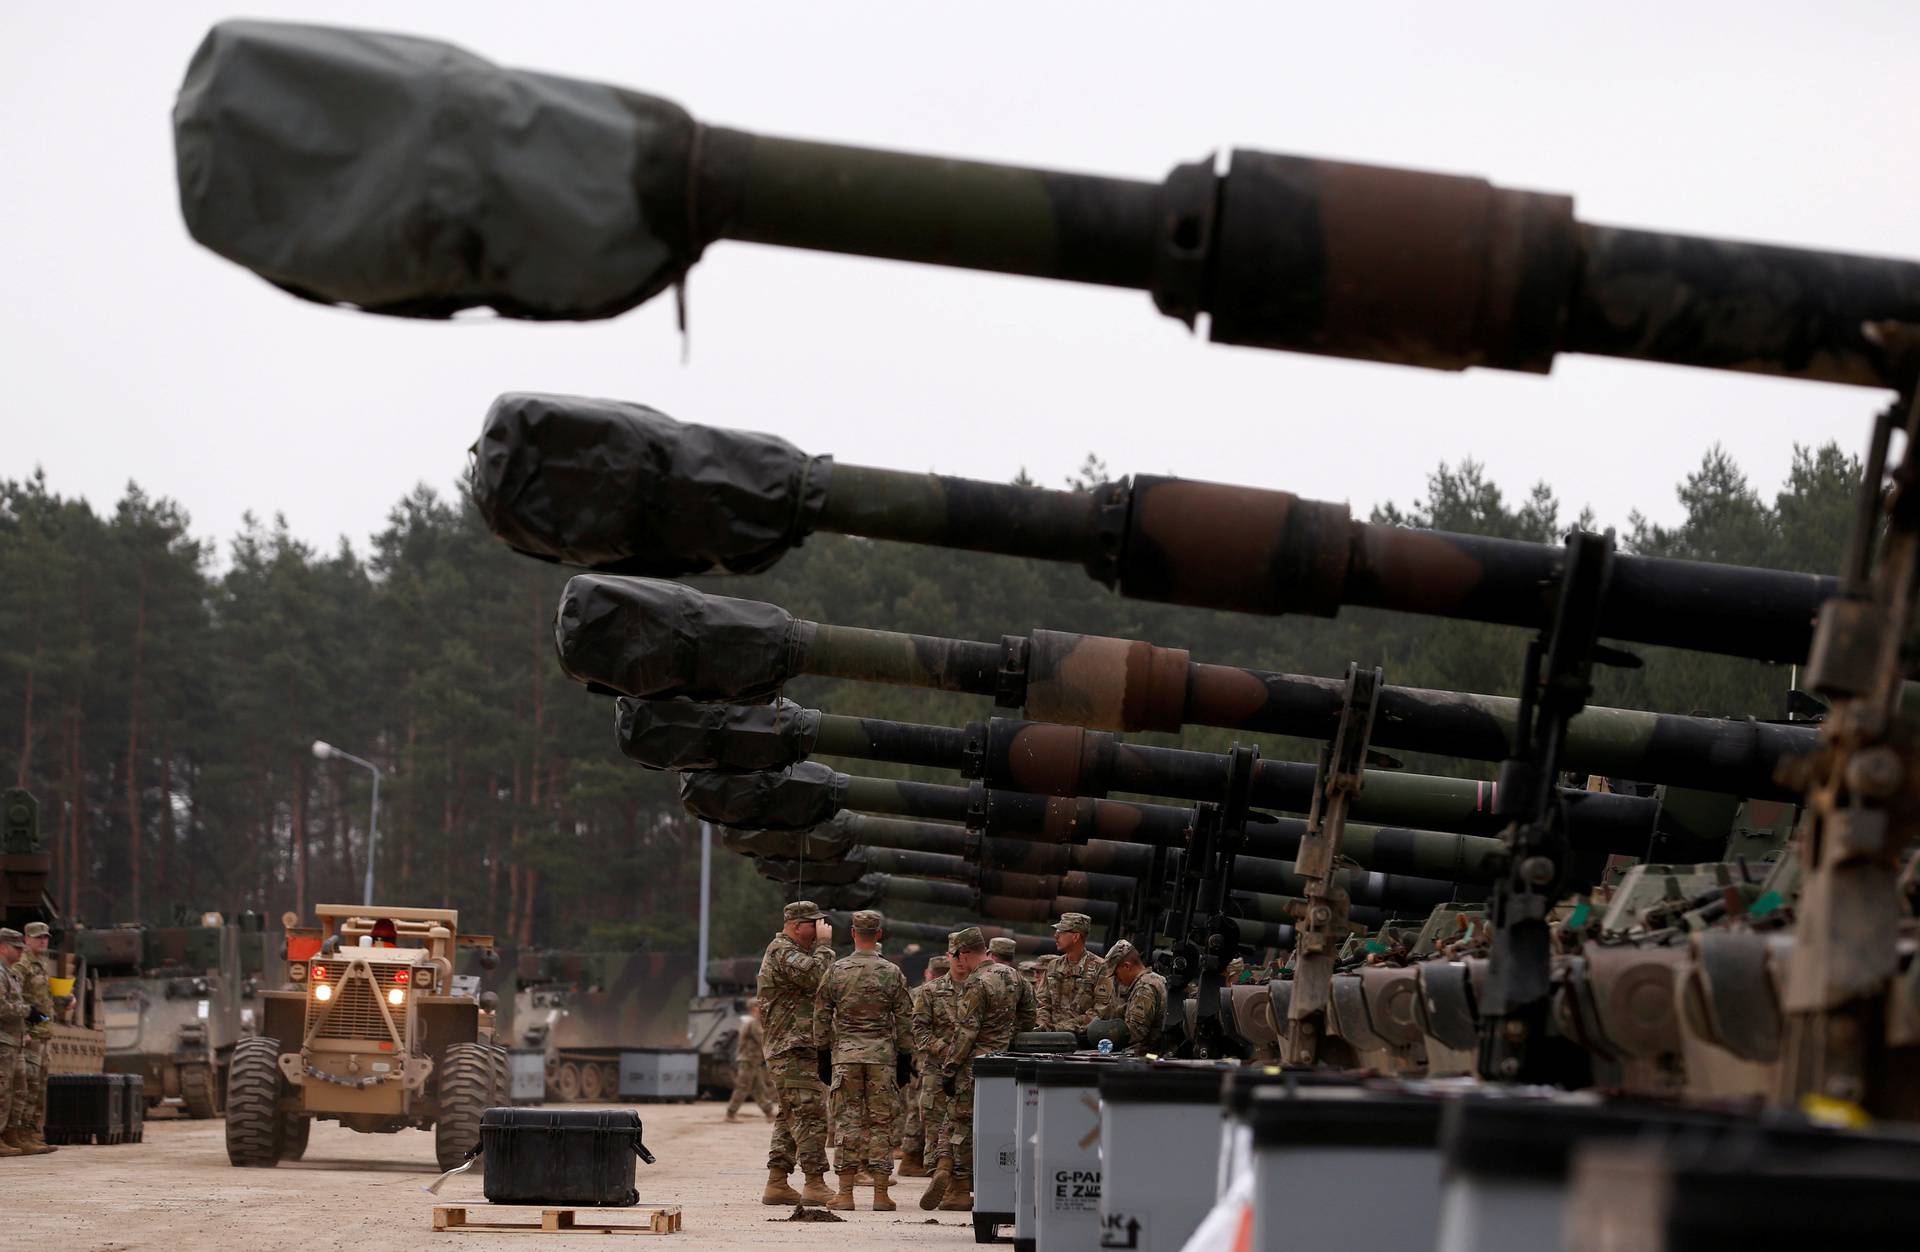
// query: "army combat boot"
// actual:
[[913, 1163], [882, 1202], [778, 1192], [942, 1175], [7, 1149], [959, 1197], [843, 1199], [815, 1192], [26, 1143]]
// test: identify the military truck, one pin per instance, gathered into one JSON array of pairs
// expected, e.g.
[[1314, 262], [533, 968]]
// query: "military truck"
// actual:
[[174, 1001], [374, 1031]]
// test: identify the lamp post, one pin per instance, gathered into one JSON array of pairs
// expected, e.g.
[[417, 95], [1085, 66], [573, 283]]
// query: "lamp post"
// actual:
[[326, 751]]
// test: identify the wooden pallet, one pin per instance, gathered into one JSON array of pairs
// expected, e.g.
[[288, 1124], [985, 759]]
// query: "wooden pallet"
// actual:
[[562, 1221]]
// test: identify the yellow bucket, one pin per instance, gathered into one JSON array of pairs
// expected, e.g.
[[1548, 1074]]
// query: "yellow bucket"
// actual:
[[60, 986]]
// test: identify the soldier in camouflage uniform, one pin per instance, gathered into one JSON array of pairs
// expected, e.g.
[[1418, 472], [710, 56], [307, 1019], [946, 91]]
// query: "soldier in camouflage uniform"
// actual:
[[790, 974], [934, 1002], [26, 1124], [1072, 988], [988, 1015], [1142, 998], [751, 1081], [13, 1031], [1002, 950], [862, 1028], [914, 1137]]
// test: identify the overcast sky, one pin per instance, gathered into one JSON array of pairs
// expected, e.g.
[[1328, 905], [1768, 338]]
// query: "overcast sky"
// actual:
[[131, 353]]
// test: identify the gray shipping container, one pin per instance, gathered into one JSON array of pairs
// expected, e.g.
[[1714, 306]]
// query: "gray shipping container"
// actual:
[[659, 1075]]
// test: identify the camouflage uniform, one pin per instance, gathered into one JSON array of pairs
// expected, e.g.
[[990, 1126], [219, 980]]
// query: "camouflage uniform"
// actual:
[[789, 977], [13, 1037], [1073, 992], [988, 1015], [1143, 1007], [751, 1081], [30, 1102], [861, 1017], [934, 1007]]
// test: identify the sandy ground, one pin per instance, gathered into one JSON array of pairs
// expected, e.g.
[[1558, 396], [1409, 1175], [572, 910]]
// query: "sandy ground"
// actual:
[[362, 1192]]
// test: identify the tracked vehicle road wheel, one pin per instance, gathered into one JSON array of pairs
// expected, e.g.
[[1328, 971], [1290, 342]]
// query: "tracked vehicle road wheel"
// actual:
[[566, 1082], [592, 1083], [294, 1133], [253, 1103], [466, 1080], [197, 1090]]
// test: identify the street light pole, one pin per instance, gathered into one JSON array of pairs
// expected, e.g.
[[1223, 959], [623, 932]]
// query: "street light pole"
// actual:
[[326, 751]]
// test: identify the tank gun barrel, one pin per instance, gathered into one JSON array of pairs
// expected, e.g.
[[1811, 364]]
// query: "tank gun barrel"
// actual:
[[652, 639], [622, 488], [298, 150]]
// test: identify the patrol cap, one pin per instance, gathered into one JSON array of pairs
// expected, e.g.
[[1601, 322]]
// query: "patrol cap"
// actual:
[[1001, 945], [36, 930], [1120, 953], [968, 940], [803, 911], [1074, 921], [867, 919], [940, 964], [14, 937], [1028, 967]]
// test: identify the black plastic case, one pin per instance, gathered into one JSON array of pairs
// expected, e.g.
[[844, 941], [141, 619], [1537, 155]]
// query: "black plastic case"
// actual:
[[556, 1157]]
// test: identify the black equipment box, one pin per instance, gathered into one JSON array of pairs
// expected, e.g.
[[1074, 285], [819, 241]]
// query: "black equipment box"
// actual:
[[96, 1108], [555, 1157]]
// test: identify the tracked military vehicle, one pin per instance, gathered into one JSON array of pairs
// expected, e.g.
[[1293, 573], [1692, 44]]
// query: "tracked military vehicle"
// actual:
[[175, 1001], [374, 1031]]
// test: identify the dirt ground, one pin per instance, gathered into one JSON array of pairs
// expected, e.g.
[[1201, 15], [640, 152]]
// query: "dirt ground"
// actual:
[[362, 1193]]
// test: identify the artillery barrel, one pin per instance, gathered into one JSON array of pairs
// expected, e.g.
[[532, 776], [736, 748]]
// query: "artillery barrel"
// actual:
[[606, 197], [1051, 759], [1013, 875], [1267, 923], [647, 638], [620, 487], [812, 791]]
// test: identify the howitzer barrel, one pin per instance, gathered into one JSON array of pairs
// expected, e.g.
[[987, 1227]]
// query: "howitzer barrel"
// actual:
[[623, 488], [1426, 861], [298, 151], [649, 638], [1049, 759]]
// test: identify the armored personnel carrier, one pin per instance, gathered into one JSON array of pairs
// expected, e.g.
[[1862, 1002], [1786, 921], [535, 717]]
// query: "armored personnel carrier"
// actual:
[[175, 1001]]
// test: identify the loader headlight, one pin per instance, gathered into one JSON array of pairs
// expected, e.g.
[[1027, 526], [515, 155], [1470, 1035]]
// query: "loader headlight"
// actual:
[[396, 996], [322, 992]]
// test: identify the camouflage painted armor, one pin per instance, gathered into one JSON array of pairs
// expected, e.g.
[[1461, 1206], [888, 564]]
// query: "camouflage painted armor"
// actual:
[[789, 979], [936, 1007], [1070, 992], [1144, 1009], [988, 1014], [862, 1015]]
